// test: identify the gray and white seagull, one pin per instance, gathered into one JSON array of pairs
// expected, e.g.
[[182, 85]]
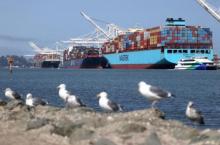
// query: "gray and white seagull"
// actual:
[[63, 93], [70, 100], [107, 104], [193, 114], [34, 101], [153, 93], [9, 93]]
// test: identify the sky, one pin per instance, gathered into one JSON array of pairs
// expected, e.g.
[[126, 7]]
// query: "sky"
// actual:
[[46, 22]]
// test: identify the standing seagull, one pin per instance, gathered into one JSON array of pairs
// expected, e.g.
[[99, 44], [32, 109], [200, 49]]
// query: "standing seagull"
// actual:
[[9, 93], [107, 104], [63, 93], [31, 101], [193, 114], [153, 93], [70, 100]]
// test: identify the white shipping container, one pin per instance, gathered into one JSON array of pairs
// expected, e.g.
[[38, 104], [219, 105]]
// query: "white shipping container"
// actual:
[[138, 38], [146, 35]]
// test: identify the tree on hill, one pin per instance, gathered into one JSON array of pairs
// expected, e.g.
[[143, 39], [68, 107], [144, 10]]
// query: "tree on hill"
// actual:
[[18, 61]]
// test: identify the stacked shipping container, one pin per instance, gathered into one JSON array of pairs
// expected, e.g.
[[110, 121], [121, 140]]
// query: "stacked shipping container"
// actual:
[[79, 52], [43, 57], [189, 37]]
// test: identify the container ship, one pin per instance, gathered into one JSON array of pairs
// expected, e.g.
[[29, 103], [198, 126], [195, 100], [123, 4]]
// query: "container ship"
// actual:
[[47, 60], [84, 57], [159, 47]]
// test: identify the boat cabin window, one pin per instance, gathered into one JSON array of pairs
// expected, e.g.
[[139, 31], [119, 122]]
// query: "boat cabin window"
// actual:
[[197, 51], [191, 64], [180, 51], [188, 60], [202, 51], [169, 51], [207, 51], [174, 51], [185, 51], [192, 51]]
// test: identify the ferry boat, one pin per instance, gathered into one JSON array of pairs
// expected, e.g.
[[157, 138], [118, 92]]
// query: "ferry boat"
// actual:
[[195, 64]]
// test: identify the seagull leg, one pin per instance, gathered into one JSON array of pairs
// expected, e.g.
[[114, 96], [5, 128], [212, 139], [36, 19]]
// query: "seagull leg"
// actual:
[[153, 104], [32, 110], [66, 103]]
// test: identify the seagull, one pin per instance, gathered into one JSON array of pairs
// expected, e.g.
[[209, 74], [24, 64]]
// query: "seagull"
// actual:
[[32, 101], [153, 93], [70, 100], [74, 101], [193, 114], [107, 104], [9, 93], [63, 93]]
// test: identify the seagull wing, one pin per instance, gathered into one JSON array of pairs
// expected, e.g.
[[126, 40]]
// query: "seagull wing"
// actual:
[[198, 116], [160, 92], [80, 102], [16, 95], [113, 105], [38, 101], [68, 92], [198, 112]]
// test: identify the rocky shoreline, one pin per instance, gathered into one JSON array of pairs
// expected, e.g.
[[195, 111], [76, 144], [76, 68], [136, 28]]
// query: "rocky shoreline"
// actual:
[[48, 125]]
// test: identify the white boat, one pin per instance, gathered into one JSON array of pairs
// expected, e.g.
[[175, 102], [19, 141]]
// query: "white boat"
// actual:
[[198, 63]]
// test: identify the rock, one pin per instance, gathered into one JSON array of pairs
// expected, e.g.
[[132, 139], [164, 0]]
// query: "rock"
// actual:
[[152, 139], [81, 134], [36, 123], [206, 136], [104, 141], [131, 128], [65, 128], [199, 138], [93, 122], [20, 114], [81, 109], [185, 134], [52, 125], [158, 113], [14, 104], [2, 103]]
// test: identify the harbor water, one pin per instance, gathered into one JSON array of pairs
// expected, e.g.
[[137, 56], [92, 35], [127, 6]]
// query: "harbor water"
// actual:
[[201, 87]]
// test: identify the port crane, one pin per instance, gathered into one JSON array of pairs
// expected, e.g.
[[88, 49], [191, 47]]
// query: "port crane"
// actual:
[[112, 32], [210, 9], [44, 50], [97, 37]]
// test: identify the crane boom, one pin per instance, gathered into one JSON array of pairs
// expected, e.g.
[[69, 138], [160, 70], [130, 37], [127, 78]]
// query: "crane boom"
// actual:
[[93, 23], [35, 47], [210, 9]]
